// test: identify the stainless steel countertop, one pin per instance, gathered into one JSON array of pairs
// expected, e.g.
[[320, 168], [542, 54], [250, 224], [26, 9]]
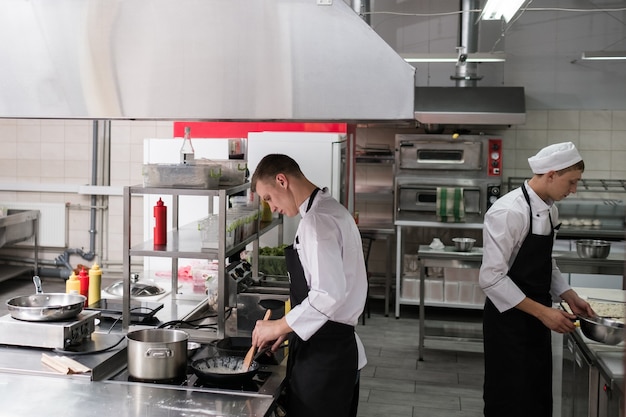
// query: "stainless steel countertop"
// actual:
[[36, 396], [24, 379], [568, 261]]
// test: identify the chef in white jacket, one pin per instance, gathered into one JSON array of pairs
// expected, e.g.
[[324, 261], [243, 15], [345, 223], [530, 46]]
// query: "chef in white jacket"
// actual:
[[521, 279], [328, 288]]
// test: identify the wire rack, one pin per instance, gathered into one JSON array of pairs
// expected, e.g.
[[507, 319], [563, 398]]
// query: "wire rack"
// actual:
[[584, 185]]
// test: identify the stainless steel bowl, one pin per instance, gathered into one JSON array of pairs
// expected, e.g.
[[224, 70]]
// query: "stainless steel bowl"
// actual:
[[591, 248], [601, 329], [463, 244]]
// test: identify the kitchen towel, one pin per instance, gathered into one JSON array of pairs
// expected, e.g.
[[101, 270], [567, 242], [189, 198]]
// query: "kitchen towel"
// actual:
[[450, 206]]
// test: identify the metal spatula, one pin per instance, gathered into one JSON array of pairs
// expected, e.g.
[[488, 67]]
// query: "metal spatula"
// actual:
[[250, 355]]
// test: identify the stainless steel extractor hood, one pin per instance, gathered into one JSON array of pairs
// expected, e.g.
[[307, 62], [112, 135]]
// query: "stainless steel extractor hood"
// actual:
[[470, 105], [198, 60], [466, 103]]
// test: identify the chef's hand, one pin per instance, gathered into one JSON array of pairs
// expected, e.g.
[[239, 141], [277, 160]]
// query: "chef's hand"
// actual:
[[270, 331], [577, 304], [557, 320]]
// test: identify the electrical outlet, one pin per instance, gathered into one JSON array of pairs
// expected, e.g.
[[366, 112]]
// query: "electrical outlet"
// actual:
[[324, 2]]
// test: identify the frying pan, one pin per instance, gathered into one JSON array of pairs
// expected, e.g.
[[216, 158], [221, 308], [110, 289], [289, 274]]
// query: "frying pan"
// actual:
[[45, 306], [224, 370]]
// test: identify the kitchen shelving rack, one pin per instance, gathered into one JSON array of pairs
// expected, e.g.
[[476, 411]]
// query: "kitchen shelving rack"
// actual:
[[185, 242]]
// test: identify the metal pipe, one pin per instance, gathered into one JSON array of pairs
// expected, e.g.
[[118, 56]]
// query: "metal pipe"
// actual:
[[94, 181], [466, 72]]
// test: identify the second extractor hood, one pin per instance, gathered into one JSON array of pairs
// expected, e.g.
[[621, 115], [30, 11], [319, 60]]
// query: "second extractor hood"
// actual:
[[470, 105]]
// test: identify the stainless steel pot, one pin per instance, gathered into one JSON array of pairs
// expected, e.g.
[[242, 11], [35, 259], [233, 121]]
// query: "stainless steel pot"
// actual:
[[45, 307], [157, 354]]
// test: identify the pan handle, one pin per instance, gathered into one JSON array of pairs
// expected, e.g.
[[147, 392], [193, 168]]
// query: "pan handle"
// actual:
[[159, 353], [37, 282]]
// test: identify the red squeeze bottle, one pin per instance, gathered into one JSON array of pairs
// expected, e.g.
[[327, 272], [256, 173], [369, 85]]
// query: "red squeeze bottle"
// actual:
[[160, 223], [83, 277]]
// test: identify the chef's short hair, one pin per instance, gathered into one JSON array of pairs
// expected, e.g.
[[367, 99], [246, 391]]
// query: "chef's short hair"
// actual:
[[272, 165], [578, 166]]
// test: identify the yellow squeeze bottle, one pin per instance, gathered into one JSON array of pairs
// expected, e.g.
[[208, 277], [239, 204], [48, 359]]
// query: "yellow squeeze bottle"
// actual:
[[95, 284], [72, 285]]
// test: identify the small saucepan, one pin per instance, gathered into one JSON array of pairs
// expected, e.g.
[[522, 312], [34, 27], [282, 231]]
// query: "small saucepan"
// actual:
[[45, 306], [225, 370]]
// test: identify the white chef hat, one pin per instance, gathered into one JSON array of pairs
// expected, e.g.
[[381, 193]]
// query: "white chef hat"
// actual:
[[554, 157]]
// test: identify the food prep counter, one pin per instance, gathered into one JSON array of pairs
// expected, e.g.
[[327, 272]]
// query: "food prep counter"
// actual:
[[592, 372], [36, 396], [448, 257], [107, 389]]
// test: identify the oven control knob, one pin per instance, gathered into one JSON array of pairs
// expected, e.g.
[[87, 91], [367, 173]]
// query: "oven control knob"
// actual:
[[495, 191]]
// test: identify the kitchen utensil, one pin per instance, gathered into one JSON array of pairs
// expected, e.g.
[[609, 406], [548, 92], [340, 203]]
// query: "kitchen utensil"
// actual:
[[592, 248], [45, 307], [250, 355], [601, 329], [192, 348], [157, 354], [272, 304], [463, 244], [226, 370]]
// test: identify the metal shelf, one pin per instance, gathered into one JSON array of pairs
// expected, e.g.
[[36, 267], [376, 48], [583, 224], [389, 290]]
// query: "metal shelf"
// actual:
[[185, 242], [410, 301], [584, 185]]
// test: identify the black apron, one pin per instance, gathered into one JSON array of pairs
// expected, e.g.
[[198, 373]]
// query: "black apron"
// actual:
[[321, 372], [518, 354]]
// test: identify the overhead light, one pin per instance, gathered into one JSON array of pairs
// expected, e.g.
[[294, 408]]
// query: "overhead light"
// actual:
[[604, 55], [497, 9], [475, 57]]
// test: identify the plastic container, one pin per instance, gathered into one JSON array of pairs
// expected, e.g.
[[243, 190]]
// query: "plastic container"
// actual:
[[203, 176], [83, 277], [160, 223], [273, 265], [233, 171], [95, 284], [72, 285]]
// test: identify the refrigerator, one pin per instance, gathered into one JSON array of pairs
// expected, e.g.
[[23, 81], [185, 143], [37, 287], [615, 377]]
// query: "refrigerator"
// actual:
[[322, 159]]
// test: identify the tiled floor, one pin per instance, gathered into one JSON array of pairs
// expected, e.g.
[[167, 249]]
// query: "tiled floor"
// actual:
[[448, 382]]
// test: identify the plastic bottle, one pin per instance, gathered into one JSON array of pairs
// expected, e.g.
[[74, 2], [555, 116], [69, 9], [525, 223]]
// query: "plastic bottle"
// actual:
[[187, 154], [95, 284], [83, 278], [160, 223], [72, 285]]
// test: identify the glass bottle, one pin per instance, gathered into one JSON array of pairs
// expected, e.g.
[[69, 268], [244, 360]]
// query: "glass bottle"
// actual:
[[186, 150]]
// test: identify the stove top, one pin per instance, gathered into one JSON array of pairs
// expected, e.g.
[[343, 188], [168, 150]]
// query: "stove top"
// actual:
[[267, 381], [47, 334]]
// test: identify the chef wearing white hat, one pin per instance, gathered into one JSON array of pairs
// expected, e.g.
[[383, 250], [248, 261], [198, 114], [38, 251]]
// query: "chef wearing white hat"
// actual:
[[521, 280]]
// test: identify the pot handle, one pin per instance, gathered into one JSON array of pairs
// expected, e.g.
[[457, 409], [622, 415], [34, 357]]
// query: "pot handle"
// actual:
[[37, 282], [158, 353]]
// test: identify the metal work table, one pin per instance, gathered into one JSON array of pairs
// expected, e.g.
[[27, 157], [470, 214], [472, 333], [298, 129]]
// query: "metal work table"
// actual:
[[22, 376], [448, 257], [33, 395], [379, 231]]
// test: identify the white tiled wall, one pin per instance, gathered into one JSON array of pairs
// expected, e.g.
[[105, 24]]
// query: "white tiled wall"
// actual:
[[53, 152]]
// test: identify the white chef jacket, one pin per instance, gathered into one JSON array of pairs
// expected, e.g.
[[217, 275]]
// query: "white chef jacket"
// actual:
[[330, 250], [505, 228]]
